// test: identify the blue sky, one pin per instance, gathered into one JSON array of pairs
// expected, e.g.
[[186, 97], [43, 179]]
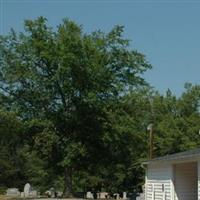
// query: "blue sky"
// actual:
[[166, 31]]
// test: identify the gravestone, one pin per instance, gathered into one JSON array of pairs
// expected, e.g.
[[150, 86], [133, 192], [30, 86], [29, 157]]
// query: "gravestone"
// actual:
[[89, 195], [124, 195], [27, 190], [59, 194], [140, 197], [22, 194], [48, 193], [33, 193], [13, 192], [102, 195], [52, 192], [116, 195]]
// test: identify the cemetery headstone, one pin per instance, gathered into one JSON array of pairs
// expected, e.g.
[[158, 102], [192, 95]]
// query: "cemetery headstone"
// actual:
[[89, 195], [22, 194], [116, 195], [13, 192], [33, 193], [141, 197], [59, 194], [102, 195], [27, 190], [52, 192], [124, 195], [48, 193]]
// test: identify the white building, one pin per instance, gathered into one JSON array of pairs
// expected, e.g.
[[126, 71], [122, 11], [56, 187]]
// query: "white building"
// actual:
[[174, 177]]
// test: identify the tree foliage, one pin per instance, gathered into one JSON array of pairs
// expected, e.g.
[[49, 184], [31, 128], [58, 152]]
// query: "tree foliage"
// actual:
[[75, 108]]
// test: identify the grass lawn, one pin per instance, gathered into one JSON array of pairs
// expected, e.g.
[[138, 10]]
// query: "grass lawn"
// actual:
[[3, 197]]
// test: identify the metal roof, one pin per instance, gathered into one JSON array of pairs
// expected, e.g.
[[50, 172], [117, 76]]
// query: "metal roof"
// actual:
[[178, 156]]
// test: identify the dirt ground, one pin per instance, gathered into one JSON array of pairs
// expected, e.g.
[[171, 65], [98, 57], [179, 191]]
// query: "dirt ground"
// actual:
[[2, 197]]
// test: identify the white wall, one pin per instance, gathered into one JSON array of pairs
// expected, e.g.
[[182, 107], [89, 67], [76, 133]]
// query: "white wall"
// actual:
[[157, 177]]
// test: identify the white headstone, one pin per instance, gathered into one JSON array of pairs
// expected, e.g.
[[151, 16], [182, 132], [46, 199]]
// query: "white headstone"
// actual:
[[89, 195], [116, 195], [27, 190], [103, 195], [124, 195], [48, 193], [52, 192], [33, 193], [59, 194], [22, 194], [141, 197], [12, 192]]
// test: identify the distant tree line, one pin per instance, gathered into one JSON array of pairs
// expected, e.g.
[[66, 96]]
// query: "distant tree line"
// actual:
[[74, 108]]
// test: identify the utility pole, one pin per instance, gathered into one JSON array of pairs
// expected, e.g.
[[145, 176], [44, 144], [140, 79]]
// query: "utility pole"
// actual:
[[151, 138]]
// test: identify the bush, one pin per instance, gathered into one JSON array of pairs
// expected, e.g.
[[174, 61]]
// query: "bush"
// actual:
[[2, 190]]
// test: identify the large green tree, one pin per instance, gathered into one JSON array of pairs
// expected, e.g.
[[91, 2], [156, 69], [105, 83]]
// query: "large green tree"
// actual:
[[177, 121], [62, 83], [176, 124], [11, 134], [74, 110]]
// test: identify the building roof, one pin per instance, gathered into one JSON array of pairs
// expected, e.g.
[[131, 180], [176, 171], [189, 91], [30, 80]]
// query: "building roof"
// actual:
[[178, 156]]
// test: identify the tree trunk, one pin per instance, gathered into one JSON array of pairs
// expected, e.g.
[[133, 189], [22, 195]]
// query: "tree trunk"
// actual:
[[68, 182]]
